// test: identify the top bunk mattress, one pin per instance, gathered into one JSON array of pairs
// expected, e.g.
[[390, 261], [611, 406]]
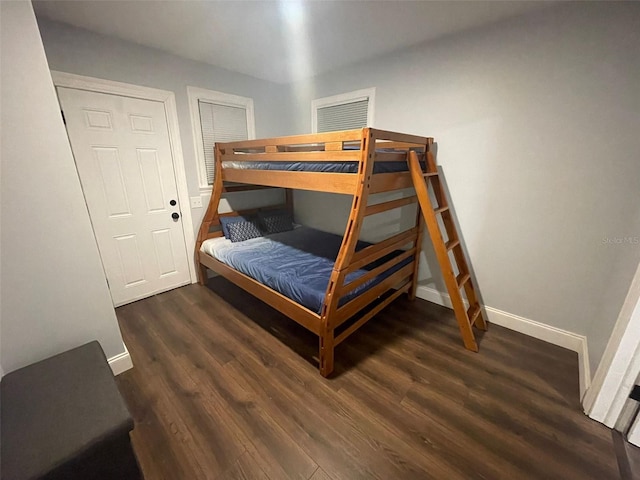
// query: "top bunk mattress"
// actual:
[[326, 167], [297, 263]]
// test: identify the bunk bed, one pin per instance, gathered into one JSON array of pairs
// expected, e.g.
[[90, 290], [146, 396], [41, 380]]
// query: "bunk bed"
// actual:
[[331, 285]]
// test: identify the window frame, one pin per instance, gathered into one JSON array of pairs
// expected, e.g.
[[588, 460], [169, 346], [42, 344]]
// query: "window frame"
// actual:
[[196, 95], [342, 99]]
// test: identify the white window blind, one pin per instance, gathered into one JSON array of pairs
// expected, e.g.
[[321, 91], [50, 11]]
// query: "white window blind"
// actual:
[[346, 111], [220, 123], [343, 116]]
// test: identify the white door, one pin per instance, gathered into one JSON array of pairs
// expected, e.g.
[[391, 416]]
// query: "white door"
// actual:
[[123, 155]]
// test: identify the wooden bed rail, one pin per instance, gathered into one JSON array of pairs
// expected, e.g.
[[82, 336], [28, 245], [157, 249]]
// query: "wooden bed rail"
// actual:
[[388, 152], [311, 139], [328, 146], [390, 205], [319, 146], [388, 265], [308, 156], [354, 306], [370, 314], [378, 250], [388, 136], [243, 187]]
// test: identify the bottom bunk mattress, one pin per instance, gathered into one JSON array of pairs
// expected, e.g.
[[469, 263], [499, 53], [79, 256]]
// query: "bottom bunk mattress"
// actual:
[[297, 263]]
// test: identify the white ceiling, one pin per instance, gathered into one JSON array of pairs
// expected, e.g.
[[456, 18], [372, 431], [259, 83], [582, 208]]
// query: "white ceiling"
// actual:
[[280, 41]]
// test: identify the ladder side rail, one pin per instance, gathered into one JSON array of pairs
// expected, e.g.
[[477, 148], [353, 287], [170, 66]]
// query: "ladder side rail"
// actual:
[[440, 248]]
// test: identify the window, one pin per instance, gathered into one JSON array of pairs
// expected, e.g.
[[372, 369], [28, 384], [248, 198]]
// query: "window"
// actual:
[[343, 112], [217, 117]]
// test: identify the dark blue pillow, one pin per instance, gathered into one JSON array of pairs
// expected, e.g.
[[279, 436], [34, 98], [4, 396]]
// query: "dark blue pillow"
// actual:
[[241, 231], [276, 221], [225, 221]]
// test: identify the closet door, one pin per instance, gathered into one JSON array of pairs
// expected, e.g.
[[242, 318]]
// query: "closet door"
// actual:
[[123, 156]]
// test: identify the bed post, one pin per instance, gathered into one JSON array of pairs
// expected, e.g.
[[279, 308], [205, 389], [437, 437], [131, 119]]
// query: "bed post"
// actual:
[[211, 215], [416, 256], [288, 195], [347, 249], [421, 225]]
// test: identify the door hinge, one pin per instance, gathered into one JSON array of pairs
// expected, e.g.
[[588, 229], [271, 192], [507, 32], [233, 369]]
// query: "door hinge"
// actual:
[[107, 282], [64, 120]]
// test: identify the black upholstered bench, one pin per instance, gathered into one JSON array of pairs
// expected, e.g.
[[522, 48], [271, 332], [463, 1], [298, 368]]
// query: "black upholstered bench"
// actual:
[[64, 418]]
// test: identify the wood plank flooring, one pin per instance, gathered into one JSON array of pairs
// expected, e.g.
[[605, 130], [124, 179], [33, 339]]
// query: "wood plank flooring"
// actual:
[[628, 457], [225, 387]]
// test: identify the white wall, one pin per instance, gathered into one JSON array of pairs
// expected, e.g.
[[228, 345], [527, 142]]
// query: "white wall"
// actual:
[[54, 292], [537, 121], [82, 52]]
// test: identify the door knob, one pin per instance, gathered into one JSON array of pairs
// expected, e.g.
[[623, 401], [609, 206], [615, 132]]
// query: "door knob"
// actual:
[[172, 203], [175, 215]]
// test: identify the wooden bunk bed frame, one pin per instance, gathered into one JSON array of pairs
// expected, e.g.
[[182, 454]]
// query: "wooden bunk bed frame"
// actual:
[[336, 321]]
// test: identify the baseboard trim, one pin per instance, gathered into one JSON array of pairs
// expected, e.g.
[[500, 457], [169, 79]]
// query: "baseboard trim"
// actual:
[[556, 336], [121, 363]]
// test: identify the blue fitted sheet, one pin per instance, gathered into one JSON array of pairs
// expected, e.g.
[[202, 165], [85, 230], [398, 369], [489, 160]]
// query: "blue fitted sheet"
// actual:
[[298, 264], [327, 167]]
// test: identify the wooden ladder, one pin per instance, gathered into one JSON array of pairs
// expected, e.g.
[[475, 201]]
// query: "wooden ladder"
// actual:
[[466, 318]]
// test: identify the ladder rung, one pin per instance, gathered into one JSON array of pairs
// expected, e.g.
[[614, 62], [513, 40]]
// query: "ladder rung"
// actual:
[[440, 210], [473, 313], [430, 174], [462, 279], [452, 244]]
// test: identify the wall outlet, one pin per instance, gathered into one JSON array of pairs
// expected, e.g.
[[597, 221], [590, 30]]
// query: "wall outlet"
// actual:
[[196, 202]]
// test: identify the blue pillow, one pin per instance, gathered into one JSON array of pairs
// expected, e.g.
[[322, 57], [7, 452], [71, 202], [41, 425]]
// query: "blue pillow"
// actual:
[[276, 221], [227, 220], [241, 231]]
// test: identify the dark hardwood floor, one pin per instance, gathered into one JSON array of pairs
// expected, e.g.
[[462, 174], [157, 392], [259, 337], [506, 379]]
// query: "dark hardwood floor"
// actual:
[[225, 387], [628, 457]]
